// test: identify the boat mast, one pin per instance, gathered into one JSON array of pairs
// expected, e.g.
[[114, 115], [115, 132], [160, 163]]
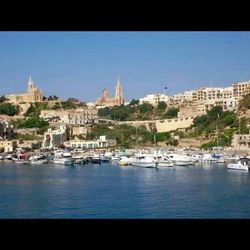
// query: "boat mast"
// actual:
[[217, 131]]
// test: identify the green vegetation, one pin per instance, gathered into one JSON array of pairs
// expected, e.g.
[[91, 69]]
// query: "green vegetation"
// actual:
[[244, 104], [226, 122], [134, 111], [31, 122], [162, 106], [35, 109], [171, 113], [125, 135], [9, 109], [53, 98], [3, 99], [71, 103], [26, 137], [134, 102]]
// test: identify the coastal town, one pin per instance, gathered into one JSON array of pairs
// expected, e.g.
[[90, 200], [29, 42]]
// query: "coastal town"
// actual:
[[205, 124]]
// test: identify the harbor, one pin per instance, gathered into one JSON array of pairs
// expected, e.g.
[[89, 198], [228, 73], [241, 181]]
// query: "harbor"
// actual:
[[109, 190], [144, 157]]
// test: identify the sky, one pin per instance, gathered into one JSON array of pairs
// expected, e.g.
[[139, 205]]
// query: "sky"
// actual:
[[82, 64]]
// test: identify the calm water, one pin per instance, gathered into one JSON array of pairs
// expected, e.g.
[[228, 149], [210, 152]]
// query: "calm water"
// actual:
[[110, 191]]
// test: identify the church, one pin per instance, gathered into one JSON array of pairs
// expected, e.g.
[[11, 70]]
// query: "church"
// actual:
[[33, 95], [107, 101]]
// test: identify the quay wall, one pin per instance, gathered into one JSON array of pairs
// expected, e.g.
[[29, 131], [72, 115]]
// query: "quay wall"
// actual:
[[163, 125]]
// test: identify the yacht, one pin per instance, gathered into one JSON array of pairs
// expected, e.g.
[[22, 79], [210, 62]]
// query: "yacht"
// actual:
[[179, 160], [96, 159], [38, 159], [63, 158], [104, 158], [124, 161], [163, 161], [145, 161], [242, 164], [209, 158]]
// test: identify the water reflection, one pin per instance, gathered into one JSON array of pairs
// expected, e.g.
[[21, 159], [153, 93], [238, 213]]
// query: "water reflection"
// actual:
[[112, 191]]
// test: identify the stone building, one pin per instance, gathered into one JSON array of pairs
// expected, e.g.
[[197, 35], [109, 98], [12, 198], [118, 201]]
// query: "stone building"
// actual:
[[55, 137], [241, 141], [33, 95], [241, 89], [107, 101], [8, 146], [6, 130], [71, 116]]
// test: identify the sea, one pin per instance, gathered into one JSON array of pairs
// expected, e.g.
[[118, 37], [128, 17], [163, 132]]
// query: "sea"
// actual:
[[110, 191]]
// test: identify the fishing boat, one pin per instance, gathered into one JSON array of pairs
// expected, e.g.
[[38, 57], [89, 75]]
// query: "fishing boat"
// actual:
[[242, 164], [21, 159]]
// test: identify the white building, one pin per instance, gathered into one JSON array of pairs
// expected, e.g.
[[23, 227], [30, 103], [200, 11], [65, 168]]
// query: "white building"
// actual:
[[102, 142], [154, 99], [54, 138]]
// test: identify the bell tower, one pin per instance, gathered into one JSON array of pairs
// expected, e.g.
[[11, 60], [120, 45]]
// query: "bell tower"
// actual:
[[118, 93], [30, 85]]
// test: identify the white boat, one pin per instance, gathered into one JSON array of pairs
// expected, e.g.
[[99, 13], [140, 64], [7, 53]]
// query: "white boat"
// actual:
[[124, 161], [179, 160], [38, 159], [221, 160], [63, 158], [145, 161], [209, 158], [242, 164], [115, 158], [163, 161]]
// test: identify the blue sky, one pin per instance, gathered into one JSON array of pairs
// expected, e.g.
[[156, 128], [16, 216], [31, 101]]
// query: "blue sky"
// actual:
[[81, 64]]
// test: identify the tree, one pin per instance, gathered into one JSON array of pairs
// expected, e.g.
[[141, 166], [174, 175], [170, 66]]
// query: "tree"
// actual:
[[32, 122], [145, 108], [72, 99], [119, 114], [171, 113], [104, 112], [9, 109], [31, 111], [215, 112], [3, 99], [161, 105], [134, 102], [200, 120]]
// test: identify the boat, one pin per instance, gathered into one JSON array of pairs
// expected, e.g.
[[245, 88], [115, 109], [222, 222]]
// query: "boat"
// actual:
[[96, 159], [80, 160], [242, 164], [104, 158], [210, 158], [125, 161], [115, 158], [145, 161], [163, 161], [21, 158], [179, 160], [38, 159], [63, 158]]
